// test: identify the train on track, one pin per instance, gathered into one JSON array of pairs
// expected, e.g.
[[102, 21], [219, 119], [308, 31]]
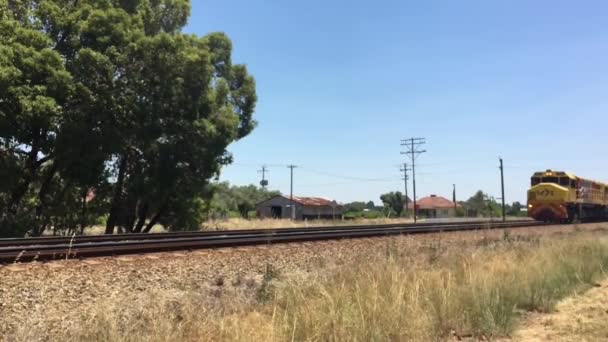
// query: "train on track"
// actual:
[[562, 197]]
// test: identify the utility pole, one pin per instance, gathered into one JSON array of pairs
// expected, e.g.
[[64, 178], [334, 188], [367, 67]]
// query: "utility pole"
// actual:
[[263, 182], [502, 189], [454, 197], [405, 169], [293, 208], [412, 146]]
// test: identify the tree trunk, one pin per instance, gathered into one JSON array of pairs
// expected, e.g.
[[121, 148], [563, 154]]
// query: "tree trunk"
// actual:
[[130, 212], [83, 210], [31, 168], [44, 189], [156, 217], [114, 209], [142, 213]]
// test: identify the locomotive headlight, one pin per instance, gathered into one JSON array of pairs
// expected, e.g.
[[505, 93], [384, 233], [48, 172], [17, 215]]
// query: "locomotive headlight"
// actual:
[[529, 205]]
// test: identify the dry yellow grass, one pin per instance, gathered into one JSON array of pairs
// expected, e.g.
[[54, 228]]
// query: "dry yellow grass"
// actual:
[[256, 223], [479, 294], [239, 223], [98, 230], [393, 296], [583, 317]]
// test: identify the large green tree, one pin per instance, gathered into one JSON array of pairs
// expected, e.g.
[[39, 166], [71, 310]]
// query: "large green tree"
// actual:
[[108, 97], [354, 206], [482, 204], [395, 201]]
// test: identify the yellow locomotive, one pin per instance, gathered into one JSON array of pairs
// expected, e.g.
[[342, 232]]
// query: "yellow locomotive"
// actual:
[[557, 196]]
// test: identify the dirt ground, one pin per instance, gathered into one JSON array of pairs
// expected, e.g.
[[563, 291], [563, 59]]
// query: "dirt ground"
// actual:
[[583, 317]]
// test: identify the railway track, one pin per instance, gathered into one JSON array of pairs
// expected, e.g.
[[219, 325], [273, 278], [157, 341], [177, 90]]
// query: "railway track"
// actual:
[[80, 247]]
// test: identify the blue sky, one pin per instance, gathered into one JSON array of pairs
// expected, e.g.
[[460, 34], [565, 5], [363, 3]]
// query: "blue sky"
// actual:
[[340, 83]]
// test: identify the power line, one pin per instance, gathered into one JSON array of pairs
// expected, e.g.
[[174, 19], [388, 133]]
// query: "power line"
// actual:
[[394, 180], [343, 176], [412, 146], [255, 164]]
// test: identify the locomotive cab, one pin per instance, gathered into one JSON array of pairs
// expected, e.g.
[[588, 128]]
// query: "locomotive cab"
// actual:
[[549, 195]]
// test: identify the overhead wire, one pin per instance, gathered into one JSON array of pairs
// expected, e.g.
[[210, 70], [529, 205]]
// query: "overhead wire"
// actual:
[[305, 169]]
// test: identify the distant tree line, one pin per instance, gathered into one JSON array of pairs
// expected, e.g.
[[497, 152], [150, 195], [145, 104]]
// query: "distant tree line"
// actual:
[[393, 205], [481, 204], [109, 114], [230, 201]]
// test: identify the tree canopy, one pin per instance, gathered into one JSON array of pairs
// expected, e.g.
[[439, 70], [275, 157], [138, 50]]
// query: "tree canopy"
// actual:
[[395, 201], [481, 204], [107, 109]]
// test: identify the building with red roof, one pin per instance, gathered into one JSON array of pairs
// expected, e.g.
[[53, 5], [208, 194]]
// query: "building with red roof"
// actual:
[[435, 207]]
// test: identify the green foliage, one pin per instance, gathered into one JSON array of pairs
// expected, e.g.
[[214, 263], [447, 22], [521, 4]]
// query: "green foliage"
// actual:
[[394, 201], [515, 209], [370, 205], [354, 207], [110, 97], [227, 199], [367, 210], [481, 204]]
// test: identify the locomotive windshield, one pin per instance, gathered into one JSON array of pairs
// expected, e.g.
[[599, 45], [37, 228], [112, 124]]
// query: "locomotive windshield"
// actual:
[[563, 181], [553, 180]]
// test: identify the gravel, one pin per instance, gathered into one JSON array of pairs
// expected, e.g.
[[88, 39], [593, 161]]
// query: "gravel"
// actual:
[[54, 296]]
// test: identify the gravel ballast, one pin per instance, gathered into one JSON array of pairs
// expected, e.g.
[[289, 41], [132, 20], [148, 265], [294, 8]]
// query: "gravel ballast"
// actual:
[[55, 295]]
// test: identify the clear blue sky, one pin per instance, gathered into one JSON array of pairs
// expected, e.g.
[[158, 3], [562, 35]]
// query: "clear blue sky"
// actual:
[[340, 83]]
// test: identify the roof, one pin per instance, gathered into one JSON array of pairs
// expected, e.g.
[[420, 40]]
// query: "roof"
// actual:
[[567, 174], [310, 201], [434, 202], [314, 201]]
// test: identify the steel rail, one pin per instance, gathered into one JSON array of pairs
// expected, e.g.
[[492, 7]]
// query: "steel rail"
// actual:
[[112, 248], [54, 240]]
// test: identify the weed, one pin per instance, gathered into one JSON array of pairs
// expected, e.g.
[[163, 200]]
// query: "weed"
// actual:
[[506, 235], [267, 288], [434, 251], [319, 262], [392, 250], [237, 280]]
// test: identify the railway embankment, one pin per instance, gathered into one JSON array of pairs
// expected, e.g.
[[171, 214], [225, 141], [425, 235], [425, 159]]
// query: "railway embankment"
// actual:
[[452, 285]]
